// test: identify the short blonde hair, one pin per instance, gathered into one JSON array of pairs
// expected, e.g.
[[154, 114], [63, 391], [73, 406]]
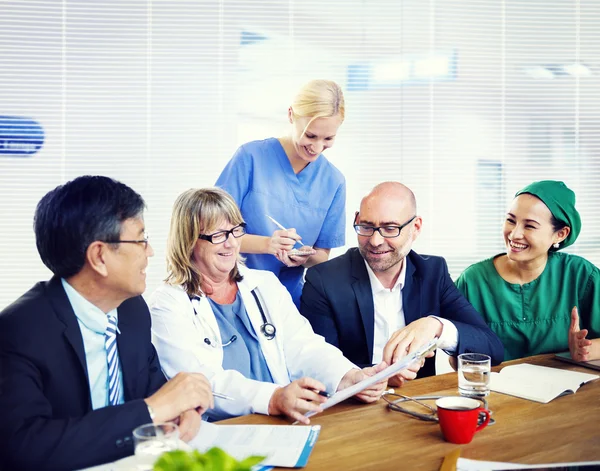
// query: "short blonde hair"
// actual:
[[319, 99], [195, 212]]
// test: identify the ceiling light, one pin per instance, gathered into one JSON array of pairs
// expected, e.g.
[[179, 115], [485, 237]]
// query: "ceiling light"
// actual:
[[539, 72], [577, 70]]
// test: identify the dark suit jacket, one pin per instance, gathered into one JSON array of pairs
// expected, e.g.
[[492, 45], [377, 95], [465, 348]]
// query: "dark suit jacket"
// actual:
[[338, 301], [46, 416]]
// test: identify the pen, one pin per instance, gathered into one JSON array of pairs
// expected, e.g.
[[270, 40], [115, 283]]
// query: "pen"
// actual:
[[322, 393], [280, 226], [223, 396]]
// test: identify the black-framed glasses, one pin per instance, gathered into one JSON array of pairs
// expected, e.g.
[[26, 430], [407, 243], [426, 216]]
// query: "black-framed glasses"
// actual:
[[143, 241], [389, 232], [222, 236]]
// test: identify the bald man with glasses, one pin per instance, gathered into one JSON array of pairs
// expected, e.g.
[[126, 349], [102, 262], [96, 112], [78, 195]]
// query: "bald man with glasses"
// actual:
[[382, 300]]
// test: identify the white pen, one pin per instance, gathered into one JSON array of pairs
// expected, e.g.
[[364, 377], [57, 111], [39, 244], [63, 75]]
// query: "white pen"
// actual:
[[280, 226], [223, 396]]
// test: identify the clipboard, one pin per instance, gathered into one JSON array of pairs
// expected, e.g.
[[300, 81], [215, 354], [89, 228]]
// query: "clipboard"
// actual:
[[387, 373]]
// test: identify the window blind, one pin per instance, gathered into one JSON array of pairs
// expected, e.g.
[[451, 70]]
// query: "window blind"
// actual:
[[465, 101]]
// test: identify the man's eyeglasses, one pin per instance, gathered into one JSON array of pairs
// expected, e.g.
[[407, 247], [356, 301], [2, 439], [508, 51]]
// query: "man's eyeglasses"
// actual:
[[389, 232], [222, 236], [143, 241]]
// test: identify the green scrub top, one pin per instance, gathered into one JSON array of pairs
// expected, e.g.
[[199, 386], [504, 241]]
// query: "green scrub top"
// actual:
[[534, 318]]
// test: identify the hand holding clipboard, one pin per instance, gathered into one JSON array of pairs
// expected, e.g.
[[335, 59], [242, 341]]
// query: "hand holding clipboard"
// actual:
[[385, 374]]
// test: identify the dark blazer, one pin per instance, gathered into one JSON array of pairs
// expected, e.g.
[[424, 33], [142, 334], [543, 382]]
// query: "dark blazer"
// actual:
[[46, 416], [338, 301]]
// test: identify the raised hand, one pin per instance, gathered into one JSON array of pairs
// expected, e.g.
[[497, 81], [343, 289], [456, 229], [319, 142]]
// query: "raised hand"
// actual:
[[579, 345]]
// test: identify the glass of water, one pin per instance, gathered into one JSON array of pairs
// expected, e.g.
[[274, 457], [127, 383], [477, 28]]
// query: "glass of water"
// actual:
[[474, 375], [152, 440]]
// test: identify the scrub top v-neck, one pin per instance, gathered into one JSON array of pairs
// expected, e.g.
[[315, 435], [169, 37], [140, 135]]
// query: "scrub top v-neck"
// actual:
[[244, 354], [262, 181]]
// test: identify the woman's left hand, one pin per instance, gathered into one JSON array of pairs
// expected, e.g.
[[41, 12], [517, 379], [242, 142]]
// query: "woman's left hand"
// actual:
[[579, 346]]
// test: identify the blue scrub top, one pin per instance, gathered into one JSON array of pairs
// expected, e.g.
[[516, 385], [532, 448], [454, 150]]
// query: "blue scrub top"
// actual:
[[260, 178], [244, 354]]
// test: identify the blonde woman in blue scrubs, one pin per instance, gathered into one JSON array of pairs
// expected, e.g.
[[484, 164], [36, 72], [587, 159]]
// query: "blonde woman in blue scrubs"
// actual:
[[289, 179]]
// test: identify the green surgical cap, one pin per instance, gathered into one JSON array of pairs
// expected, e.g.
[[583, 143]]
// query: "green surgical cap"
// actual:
[[560, 200]]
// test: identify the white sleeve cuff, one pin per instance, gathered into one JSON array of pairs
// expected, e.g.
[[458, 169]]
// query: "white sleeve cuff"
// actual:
[[260, 404], [449, 339]]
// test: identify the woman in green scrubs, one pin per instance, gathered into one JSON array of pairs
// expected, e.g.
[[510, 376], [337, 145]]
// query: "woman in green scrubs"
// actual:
[[536, 298]]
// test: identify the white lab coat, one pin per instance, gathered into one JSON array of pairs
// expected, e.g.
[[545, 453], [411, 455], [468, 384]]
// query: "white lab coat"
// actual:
[[178, 333]]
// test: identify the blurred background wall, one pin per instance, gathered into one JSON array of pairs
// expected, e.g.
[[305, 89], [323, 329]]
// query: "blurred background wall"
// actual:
[[464, 101]]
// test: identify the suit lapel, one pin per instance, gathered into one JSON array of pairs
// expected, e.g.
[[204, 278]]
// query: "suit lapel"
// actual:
[[364, 297], [64, 312], [411, 293]]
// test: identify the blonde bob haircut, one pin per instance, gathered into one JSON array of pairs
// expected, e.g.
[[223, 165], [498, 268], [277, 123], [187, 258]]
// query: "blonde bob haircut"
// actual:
[[196, 212], [319, 99]]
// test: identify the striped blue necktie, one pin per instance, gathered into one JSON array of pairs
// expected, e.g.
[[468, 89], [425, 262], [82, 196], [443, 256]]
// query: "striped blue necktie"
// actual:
[[112, 355]]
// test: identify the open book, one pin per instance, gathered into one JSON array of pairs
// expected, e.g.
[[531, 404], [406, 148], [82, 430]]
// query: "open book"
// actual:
[[537, 383]]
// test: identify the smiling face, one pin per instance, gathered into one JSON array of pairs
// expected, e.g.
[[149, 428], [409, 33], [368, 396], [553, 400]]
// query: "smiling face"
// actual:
[[309, 142], [528, 231], [215, 261], [385, 255], [128, 261]]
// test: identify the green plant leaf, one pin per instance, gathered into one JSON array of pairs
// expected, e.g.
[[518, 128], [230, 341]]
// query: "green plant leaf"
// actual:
[[246, 465], [214, 459], [176, 460], [221, 460]]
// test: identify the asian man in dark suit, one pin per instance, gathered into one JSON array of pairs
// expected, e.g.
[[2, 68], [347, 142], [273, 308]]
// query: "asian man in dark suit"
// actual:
[[77, 369], [383, 300]]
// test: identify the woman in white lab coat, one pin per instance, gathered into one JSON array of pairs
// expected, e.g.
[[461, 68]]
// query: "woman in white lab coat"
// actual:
[[239, 326]]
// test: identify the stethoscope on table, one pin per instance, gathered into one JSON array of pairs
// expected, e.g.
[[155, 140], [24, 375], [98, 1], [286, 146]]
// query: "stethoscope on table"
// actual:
[[267, 328]]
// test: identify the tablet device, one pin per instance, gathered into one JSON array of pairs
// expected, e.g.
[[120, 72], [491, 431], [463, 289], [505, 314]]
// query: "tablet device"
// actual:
[[302, 251], [566, 356]]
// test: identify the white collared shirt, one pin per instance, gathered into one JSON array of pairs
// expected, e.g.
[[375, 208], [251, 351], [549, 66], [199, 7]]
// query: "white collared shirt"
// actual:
[[92, 323], [389, 315]]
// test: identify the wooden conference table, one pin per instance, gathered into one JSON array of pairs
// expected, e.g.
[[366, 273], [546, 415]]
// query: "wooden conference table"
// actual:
[[370, 436]]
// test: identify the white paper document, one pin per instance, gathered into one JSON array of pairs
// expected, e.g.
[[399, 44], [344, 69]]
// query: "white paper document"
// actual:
[[464, 464], [387, 373], [287, 446]]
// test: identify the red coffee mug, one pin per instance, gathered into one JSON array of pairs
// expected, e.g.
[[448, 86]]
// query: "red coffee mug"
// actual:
[[458, 418]]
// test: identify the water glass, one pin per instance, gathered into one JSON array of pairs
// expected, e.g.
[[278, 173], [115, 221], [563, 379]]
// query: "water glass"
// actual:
[[474, 374], [152, 440]]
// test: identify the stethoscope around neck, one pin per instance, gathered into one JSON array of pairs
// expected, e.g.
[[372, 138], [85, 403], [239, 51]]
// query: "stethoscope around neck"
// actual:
[[267, 328]]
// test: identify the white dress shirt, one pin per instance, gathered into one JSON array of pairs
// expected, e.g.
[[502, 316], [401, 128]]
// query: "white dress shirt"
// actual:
[[389, 315], [92, 323]]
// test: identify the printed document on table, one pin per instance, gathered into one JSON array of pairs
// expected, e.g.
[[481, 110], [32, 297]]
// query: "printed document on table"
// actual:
[[387, 373], [465, 464], [287, 446]]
